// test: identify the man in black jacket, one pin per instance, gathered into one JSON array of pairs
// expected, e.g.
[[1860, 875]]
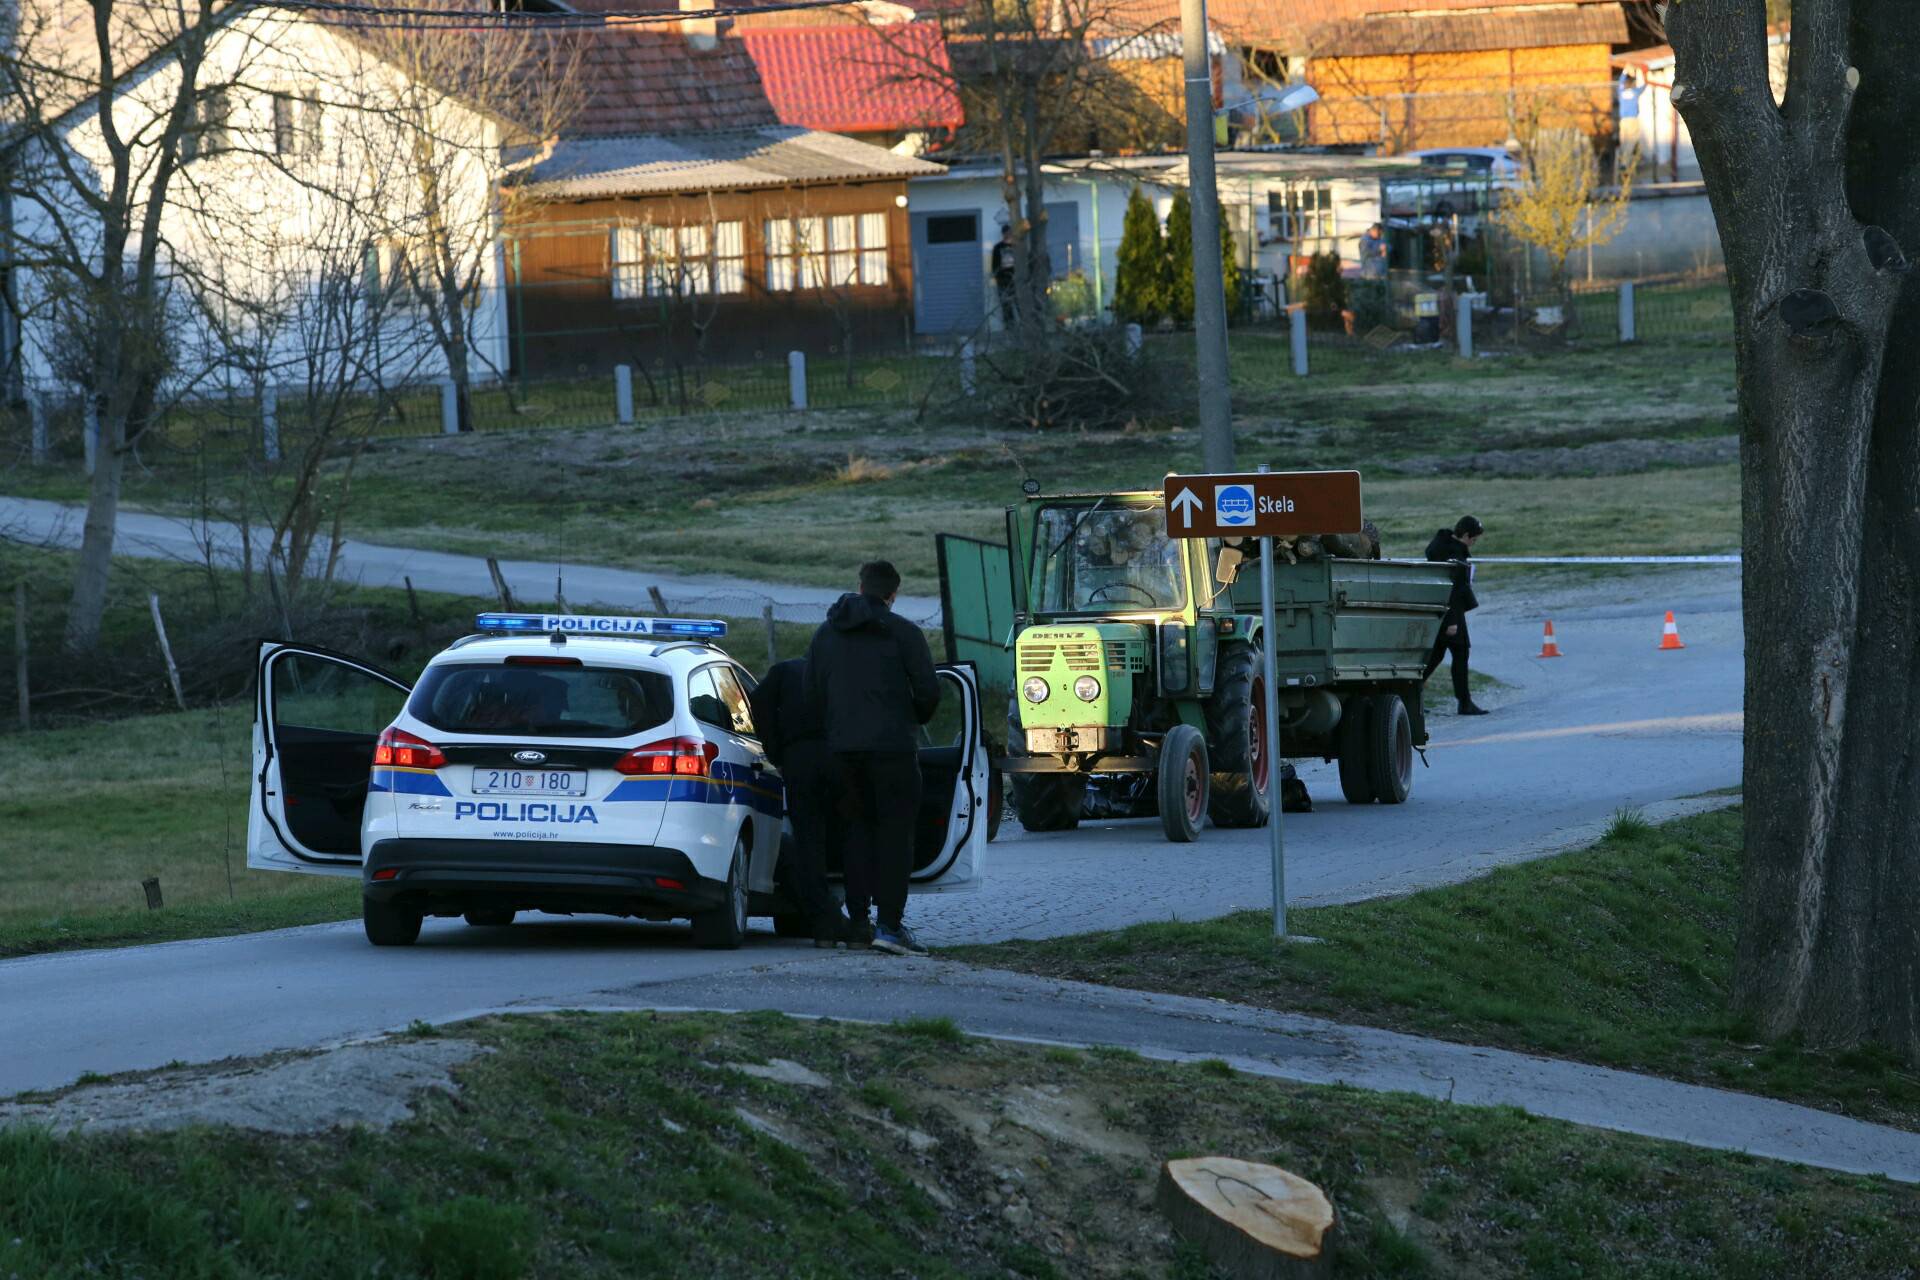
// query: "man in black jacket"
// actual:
[[874, 679], [1456, 544], [794, 735]]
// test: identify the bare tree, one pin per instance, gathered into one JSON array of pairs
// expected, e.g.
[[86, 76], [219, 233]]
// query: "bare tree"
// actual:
[[96, 138], [471, 100], [1814, 197]]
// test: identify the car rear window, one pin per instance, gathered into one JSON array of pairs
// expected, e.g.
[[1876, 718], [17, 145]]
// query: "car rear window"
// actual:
[[575, 702]]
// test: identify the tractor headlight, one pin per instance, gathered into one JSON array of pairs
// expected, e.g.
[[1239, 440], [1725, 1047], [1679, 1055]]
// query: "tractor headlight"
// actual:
[[1086, 688], [1035, 689]]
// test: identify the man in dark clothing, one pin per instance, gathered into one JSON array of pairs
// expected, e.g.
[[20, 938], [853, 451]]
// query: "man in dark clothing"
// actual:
[[873, 677], [794, 734], [1456, 545], [1003, 274]]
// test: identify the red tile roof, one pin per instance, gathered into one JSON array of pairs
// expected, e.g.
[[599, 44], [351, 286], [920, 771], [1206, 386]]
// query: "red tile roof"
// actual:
[[848, 79], [648, 78]]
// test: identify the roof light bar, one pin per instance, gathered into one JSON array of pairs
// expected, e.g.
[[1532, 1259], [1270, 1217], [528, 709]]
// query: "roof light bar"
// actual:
[[595, 624]]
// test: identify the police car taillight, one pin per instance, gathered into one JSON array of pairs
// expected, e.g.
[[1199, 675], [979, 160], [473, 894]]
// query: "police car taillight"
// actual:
[[670, 757], [398, 749]]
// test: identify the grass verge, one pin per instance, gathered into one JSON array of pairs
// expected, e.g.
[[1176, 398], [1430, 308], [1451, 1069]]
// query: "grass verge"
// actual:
[[631, 1145], [1620, 954]]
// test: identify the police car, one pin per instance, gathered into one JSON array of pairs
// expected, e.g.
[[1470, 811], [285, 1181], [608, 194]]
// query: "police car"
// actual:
[[560, 763]]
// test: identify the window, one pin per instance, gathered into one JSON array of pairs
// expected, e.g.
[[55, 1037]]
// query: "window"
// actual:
[[704, 700], [578, 702], [953, 228], [207, 132], [286, 138], [390, 275], [650, 261], [739, 710], [1301, 213], [842, 251]]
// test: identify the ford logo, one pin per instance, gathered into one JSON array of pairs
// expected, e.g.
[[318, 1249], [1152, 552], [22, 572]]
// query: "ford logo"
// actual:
[[529, 757]]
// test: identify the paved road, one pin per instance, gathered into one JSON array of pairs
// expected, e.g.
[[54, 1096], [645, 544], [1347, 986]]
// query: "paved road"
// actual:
[[158, 537], [1615, 723]]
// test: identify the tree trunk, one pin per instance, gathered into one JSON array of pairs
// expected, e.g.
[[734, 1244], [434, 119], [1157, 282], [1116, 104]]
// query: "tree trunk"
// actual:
[[1829, 945], [89, 603], [458, 371]]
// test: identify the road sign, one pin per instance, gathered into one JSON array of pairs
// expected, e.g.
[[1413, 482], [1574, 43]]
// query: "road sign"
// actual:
[[1263, 504]]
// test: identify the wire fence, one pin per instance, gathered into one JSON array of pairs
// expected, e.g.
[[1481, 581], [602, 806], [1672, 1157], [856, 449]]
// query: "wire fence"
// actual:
[[49, 426]]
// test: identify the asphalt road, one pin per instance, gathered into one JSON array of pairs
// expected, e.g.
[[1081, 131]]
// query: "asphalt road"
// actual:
[[1614, 724], [158, 537]]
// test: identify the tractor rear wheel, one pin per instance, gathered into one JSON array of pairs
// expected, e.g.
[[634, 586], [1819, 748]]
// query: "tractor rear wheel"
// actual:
[[1238, 743], [1049, 801], [1356, 770]]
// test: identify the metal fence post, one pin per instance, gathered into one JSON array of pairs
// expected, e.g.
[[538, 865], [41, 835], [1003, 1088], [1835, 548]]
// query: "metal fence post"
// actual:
[[1626, 311], [1463, 325], [449, 407], [797, 379], [1133, 340], [270, 422], [966, 368], [1297, 331], [623, 394], [90, 429], [37, 416]]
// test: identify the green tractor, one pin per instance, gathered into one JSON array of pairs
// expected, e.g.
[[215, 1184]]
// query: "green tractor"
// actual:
[[1133, 664]]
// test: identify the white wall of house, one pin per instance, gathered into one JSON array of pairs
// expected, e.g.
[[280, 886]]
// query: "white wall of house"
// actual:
[[1656, 127], [251, 233], [1098, 204]]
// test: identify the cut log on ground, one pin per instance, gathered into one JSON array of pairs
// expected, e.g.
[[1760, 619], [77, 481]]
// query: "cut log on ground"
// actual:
[[1252, 1220]]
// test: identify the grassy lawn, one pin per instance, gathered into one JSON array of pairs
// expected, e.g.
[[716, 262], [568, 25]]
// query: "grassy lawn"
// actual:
[[91, 807], [615, 1145], [805, 497], [1620, 954]]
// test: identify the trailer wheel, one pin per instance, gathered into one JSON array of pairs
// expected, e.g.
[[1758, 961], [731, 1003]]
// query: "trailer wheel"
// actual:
[[1049, 801], [1389, 748], [1242, 750], [1184, 782], [1356, 771]]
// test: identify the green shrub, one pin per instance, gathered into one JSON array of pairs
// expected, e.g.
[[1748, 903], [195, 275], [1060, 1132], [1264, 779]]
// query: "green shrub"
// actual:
[[1372, 305], [1323, 289], [1140, 285]]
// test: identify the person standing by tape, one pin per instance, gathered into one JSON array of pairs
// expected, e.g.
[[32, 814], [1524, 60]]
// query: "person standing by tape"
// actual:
[[1456, 545], [793, 731], [872, 674]]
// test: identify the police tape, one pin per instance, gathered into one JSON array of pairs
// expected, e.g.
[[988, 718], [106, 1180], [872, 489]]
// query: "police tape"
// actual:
[[1722, 559]]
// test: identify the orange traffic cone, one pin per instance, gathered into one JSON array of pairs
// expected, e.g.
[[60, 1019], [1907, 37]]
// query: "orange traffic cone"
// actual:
[[1549, 648], [1670, 634]]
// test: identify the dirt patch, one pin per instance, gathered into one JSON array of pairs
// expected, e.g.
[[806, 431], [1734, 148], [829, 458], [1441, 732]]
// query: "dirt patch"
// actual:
[[371, 1086], [1606, 458]]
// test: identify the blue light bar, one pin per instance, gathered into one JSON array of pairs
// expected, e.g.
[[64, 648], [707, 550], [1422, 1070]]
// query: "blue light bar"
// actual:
[[595, 624]]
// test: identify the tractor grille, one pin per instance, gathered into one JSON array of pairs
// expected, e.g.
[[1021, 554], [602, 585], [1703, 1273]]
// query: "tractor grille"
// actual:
[[1125, 659], [1037, 658]]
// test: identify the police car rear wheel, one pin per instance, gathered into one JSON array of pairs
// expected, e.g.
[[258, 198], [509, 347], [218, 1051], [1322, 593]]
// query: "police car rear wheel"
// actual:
[[725, 927], [389, 925]]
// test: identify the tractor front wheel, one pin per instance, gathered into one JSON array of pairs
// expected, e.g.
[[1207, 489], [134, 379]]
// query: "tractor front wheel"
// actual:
[[1049, 801], [1183, 783]]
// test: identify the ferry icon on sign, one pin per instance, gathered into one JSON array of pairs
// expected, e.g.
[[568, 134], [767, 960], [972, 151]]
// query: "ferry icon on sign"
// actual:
[[1233, 504]]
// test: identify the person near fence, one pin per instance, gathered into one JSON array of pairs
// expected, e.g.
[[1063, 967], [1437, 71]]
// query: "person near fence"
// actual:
[[1456, 545], [793, 732], [1373, 254], [873, 675]]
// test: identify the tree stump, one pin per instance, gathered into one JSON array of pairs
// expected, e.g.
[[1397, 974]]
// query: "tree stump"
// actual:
[[1252, 1220]]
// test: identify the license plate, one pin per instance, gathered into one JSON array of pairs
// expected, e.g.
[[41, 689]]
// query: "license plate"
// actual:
[[1047, 741], [529, 782]]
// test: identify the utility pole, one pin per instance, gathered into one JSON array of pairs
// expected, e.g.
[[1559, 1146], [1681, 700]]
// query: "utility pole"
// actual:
[[1209, 291]]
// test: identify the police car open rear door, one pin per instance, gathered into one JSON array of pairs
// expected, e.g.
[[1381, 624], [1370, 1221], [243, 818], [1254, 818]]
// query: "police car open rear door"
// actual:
[[950, 838], [317, 717]]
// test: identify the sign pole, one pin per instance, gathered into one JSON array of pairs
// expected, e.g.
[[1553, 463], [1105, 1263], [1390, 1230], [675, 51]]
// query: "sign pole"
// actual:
[[1276, 839]]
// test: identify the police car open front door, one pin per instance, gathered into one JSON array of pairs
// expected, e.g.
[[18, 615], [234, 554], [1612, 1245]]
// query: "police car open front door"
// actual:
[[950, 838], [317, 717]]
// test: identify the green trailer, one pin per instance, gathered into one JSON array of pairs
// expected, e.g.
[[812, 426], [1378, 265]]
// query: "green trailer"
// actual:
[[1132, 664]]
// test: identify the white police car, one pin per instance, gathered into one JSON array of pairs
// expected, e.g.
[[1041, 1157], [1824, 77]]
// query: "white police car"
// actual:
[[559, 763]]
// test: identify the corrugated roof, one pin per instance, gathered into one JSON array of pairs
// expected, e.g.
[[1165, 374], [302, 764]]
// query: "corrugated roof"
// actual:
[[856, 79], [657, 164]]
